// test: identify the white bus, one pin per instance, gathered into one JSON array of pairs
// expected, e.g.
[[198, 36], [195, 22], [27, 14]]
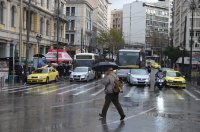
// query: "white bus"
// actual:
[[86, 59]]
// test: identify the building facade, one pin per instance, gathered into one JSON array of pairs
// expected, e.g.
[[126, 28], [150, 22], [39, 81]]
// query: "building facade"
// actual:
[[117, 19], [79, 25], [145, 25], [182, 18], [85, 18], [42, 22]]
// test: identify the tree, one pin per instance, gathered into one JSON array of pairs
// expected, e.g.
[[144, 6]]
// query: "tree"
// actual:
[[111, 39], [174, 53]]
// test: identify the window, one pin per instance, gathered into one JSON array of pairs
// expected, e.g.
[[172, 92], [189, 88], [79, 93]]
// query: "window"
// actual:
[[47, 4], [72, 25], [72, 38], [13, 16], [1, 12], [47, 28], [41, 25], [68, 11], [67, 37], [67, 25], [73, 11]]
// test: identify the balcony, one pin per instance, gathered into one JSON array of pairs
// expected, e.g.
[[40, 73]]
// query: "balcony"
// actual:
[[72, 29]]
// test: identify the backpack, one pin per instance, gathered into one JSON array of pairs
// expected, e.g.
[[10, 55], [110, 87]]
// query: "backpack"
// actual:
[[118, 85]]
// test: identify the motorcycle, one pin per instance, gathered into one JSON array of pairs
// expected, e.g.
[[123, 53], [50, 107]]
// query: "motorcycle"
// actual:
[[159, 82]]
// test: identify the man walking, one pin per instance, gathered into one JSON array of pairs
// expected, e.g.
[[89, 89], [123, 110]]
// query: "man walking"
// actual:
[[111, 96]]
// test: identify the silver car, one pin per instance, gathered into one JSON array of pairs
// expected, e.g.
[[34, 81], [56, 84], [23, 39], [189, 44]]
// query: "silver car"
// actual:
[[82, 74], [138, 77]]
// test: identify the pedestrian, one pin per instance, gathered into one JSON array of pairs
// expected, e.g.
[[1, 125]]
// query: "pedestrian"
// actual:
[[109, 82]]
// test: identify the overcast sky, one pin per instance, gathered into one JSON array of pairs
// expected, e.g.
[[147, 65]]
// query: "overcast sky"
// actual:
[[117, 4]]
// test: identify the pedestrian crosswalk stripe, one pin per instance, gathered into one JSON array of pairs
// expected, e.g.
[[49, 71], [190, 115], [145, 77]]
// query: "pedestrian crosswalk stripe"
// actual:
[[178, 95], [84, 91], [130, 93], [197, 91], [51, 91], [192, 95], [98, 92]]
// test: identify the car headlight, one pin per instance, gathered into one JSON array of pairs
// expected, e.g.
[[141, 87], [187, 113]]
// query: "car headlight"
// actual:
[[29, 77], [183, 81], [40, 77]]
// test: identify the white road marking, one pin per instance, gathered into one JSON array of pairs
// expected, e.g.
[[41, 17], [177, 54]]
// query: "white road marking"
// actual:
[[67, 91], [129, 117], [51, 91], [177, 94], [83, 102], [197, 91], [76, 88], [98, 92], [130, 93], [189, 93], [84, 91]]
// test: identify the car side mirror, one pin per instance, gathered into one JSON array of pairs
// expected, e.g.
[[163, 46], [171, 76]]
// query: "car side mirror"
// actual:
[[183, 76], [32, 72]]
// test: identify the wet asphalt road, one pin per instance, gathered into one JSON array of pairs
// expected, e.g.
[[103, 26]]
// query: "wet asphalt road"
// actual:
[[74, 107]]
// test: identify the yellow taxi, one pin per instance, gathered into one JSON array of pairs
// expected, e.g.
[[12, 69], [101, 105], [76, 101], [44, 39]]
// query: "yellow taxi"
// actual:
[[43, 75], [174, 79], [155, 65]]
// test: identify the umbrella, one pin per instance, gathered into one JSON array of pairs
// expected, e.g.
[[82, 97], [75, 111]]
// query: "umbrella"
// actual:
[[103, 66]]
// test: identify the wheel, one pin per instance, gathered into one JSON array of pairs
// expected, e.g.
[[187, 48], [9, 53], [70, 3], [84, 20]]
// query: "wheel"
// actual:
[[47, 80], [56, 79]]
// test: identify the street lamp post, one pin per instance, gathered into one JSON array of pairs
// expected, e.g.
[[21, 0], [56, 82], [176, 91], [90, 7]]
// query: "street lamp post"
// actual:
[[14, 45], [38, 38], [192, 7]]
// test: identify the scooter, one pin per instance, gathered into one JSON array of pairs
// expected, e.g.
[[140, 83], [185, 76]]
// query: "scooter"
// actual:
[[159, 82]]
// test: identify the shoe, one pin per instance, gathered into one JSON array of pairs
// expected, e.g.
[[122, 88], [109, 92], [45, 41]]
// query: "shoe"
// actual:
[[101, 115], [122, 117]]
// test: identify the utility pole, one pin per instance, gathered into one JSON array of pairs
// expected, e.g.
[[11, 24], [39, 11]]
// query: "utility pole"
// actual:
[[58, 25], [20, 30], [81, 40], [192, 7], [28, 34], [184, 44]]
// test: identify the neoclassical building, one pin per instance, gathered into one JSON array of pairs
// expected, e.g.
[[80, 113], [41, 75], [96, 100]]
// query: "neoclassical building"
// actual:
[[43, 21]]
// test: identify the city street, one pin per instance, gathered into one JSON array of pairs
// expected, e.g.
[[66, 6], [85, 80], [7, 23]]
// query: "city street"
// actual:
[[74, 107]]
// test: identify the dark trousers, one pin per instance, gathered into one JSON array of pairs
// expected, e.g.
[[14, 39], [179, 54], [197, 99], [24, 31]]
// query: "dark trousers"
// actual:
[[114, 98]]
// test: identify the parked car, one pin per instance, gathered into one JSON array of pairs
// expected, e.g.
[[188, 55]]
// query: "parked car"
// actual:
[[82, 74], [138, 77], [43, 75], [174, 79]]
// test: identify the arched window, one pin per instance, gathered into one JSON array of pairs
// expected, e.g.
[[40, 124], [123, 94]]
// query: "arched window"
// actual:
[[47, 27], [1, 12], [13, 10], [41, 25]]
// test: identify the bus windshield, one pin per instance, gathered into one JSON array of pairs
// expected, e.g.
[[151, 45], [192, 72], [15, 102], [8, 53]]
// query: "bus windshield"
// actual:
[[88, 63], [128, 58]]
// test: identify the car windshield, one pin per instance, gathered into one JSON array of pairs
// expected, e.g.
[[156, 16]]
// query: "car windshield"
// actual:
[[81, 69], [41, 71], [174, 74], [139, 71]]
